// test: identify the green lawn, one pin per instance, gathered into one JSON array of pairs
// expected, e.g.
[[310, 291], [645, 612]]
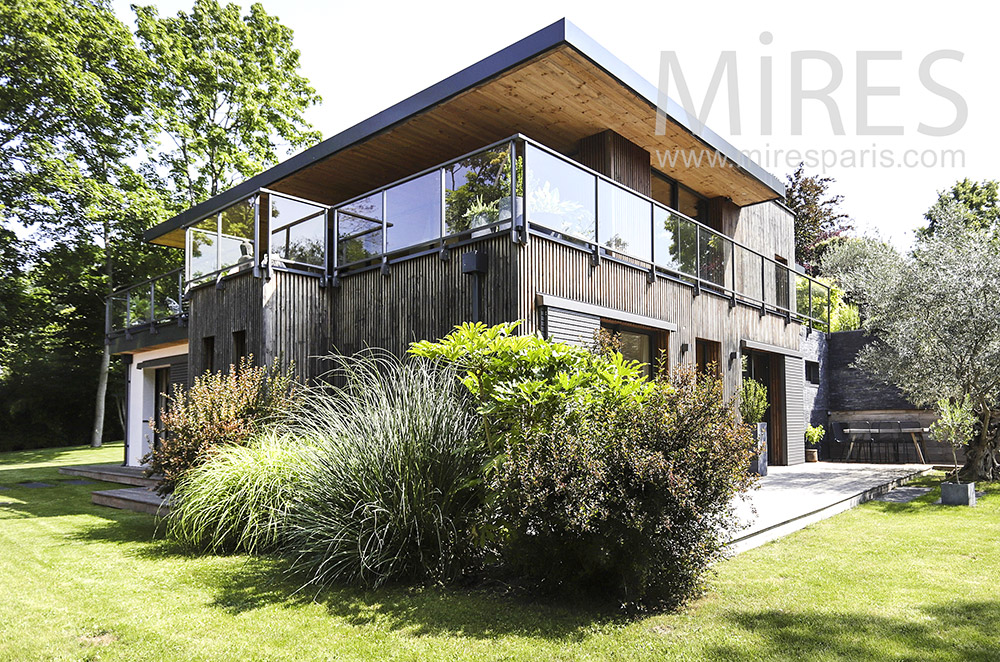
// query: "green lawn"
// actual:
[[887, 582]]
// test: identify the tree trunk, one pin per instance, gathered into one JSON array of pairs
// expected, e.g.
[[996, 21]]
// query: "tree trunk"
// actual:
[[102, 376], [982, 455], [102, 391]]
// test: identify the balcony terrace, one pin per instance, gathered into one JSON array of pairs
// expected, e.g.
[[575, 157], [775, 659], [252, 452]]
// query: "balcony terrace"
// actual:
[[458, 202]]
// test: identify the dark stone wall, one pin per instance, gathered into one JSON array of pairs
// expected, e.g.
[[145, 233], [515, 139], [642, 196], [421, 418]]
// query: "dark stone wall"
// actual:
[[813, 345], [850, 388]]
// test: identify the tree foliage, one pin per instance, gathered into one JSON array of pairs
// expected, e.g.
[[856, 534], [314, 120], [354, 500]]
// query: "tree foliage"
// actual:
[[226, 89], [978, 206], [82, 102], [933, 314], [817, 215]]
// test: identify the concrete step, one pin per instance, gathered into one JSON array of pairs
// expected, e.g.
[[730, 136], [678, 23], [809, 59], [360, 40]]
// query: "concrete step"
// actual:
[[111, 473], [137, 499]]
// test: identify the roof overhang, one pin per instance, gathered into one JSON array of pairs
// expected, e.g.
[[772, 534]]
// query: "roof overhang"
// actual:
[[556, 86]]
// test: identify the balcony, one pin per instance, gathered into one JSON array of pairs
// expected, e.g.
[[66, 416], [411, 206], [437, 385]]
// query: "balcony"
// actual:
[[462, 200]]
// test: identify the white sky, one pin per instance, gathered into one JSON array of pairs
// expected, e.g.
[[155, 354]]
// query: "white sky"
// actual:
[[364, 56]]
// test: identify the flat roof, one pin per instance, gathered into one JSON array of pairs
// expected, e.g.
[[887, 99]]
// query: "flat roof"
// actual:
[[560, 33]]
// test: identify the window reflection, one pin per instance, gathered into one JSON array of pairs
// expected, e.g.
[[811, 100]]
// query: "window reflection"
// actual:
[[477, 190], [560, 195], [624, 221]]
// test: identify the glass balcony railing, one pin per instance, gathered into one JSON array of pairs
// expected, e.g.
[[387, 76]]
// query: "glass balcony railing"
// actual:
[[577, 204], [513, 185], [157, 300]]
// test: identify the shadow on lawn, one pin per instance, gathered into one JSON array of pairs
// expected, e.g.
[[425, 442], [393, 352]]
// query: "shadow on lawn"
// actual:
[[807, 635], [428, 610], [258, 582]]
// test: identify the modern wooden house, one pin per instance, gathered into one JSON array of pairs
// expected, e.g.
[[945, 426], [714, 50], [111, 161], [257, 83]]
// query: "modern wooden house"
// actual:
[[531, 186]]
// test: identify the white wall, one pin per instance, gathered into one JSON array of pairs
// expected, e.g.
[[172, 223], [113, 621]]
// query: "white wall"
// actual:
[[141, 389]]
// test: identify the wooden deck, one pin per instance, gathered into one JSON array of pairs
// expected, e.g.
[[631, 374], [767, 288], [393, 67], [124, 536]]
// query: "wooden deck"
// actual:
[[111, 473], [137, 499]]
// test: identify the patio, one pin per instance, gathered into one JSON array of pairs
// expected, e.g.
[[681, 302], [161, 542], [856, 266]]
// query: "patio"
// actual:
[[792, 498]]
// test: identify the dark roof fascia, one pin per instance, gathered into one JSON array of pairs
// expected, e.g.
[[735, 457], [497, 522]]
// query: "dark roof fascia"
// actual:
[[556, 34]]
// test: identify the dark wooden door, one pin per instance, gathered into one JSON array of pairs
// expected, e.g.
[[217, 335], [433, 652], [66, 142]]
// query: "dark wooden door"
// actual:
[[767, 369]]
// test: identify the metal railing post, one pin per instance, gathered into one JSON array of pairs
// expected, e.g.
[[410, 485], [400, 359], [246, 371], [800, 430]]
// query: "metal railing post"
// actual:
[[810, 288]]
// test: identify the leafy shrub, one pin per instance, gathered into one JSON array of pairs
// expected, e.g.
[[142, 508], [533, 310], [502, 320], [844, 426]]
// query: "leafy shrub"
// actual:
[[753, 401], [219, 409], [601, 480], [238, 499], [814, 435], [393, 485], [523, 381], [628, 500]]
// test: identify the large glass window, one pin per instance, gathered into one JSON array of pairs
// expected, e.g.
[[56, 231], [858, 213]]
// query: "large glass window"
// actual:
[[623, 221], [477, 190], [359, 230], [560, 196], [413, 212], [688, 203], [298, 231]]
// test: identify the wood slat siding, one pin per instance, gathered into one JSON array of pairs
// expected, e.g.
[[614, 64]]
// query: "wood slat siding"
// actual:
[[794, 415], [617, 157], [546, 266], [767, 228], [297, 323], [238, 306], [568, 326], [421, 298]]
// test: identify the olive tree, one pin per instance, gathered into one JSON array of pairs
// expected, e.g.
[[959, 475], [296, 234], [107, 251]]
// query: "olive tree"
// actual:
[[933, 314]]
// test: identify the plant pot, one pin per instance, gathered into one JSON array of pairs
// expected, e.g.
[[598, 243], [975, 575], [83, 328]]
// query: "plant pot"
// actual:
[[958, 494], [758, 465], [812, 455]]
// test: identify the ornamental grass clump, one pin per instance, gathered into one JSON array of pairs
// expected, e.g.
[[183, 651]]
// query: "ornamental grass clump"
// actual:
[[237, 501], [394, 489]]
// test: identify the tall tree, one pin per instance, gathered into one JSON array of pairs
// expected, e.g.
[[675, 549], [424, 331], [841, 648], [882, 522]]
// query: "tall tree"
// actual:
[[933, 314], [978, 205], [817, 215], [72, 105], [227, 88]]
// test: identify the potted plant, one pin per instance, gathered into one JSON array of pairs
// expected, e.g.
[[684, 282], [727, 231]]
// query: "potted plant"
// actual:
[[954, 426], [814, 435], [753, 405]]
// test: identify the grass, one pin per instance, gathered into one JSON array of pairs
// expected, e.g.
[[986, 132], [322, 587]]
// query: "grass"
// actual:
[[882, 582]]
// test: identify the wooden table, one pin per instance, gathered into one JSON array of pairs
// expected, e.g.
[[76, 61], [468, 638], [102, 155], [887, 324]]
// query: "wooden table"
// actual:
[[913, 432]]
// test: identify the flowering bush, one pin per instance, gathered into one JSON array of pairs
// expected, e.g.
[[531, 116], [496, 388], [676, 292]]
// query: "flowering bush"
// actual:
[[217, 410]]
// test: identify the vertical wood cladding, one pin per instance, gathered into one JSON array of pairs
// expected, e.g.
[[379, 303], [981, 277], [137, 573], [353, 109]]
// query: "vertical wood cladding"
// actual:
[[297, 323], [282, 321], [617, 157], [421, 298], [217, 313], [550, 267], [768, 228]]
